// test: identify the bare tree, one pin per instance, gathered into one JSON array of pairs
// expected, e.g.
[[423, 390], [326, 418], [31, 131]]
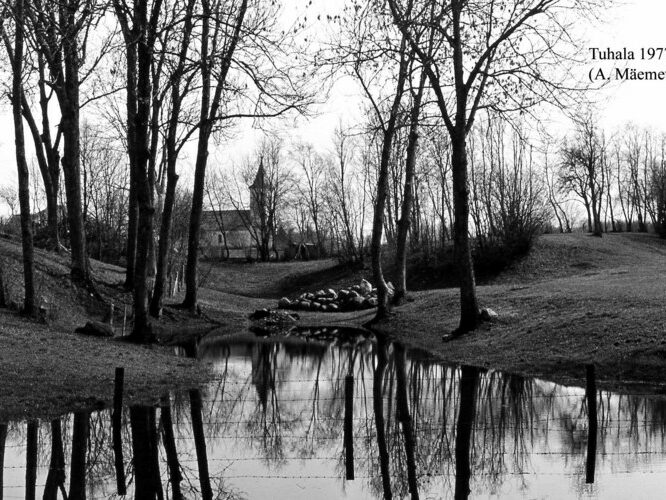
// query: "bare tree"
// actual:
[[582, 170], [211, 62], [8, 194], [408, 191], [311, 188], [61, 37], [342, 196], [16, 55], [180, 84], [143, 25], [478, 59]]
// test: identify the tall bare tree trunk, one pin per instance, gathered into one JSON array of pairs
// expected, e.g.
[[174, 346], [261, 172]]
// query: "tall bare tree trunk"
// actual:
[[469, 307], [22, 165], [71, 159], [208, 115], [172, 176], [407, 197], [48, 158], [382, 189], [130, 37], [142, 332]]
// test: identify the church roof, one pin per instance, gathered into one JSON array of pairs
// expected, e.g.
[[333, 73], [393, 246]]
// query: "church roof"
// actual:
[[228, 220]]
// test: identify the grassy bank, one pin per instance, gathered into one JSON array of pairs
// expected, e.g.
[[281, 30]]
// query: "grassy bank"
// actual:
[[574, 300], [46, 369]]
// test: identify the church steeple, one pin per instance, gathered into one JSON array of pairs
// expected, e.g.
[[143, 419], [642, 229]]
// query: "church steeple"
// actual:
[[257, 192], [260, 178]]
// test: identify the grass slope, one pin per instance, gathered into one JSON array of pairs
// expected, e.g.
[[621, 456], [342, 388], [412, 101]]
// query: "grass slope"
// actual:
[[47, 370], [573, 300]]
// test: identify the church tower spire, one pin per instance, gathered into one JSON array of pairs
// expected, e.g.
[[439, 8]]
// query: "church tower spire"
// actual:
[[258, 192]]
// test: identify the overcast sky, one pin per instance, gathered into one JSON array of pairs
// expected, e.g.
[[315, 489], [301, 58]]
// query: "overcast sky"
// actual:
[[632, 24]]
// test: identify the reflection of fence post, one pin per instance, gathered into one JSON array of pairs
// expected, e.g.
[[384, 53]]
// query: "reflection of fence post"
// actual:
[[591, 396], [117, 427], [349, 429], [31, 461]]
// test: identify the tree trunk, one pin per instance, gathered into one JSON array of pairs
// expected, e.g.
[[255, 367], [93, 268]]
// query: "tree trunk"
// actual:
[[133, 208], [190, 301], [142, 331], [165, 239], [590, 226], [22, 167], [172, 176], [48, 160], [71, 159], [382, 190], [208, 114], [469, 307], [191, 277], [407, 197]]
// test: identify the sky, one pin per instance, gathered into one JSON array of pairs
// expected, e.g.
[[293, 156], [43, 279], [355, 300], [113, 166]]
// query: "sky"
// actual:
[[632, 24]]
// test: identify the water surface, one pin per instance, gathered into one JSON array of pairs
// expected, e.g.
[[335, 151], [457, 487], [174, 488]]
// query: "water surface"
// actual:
[[294, 418]]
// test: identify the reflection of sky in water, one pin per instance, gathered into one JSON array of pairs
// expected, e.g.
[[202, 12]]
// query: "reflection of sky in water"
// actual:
[[274, 428]]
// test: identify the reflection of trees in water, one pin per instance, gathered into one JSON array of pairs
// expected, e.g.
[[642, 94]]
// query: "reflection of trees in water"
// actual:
[[266, 420], [417, 427]]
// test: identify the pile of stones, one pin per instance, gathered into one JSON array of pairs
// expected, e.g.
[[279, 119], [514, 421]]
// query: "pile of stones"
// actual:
[[353, 298]]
